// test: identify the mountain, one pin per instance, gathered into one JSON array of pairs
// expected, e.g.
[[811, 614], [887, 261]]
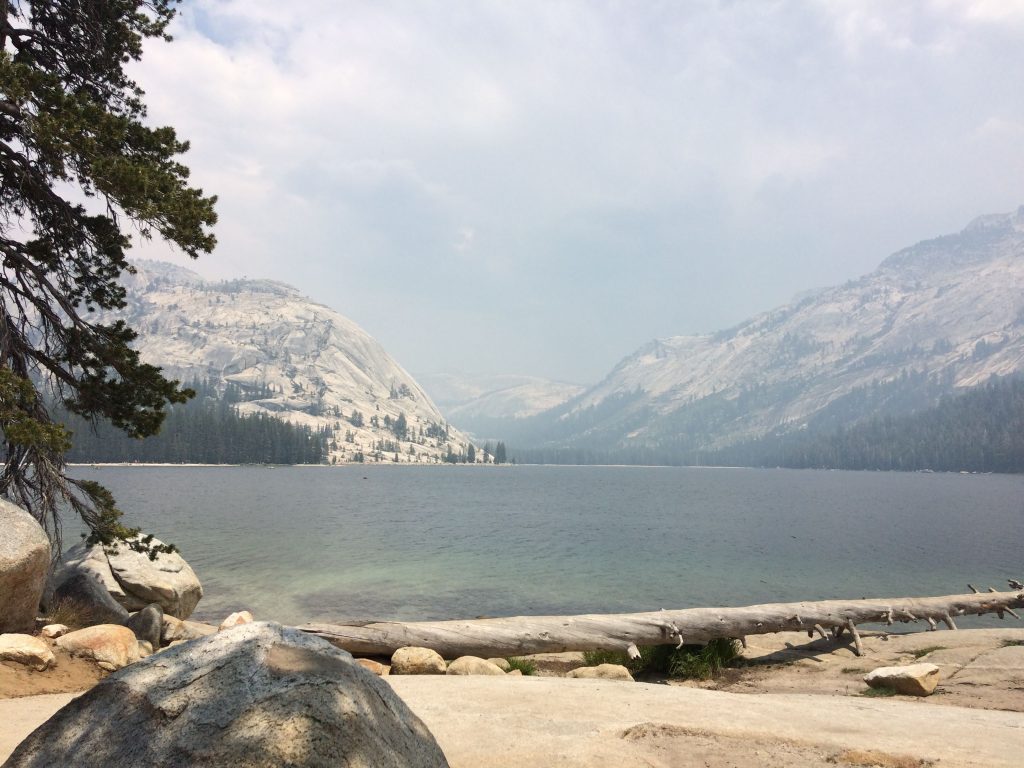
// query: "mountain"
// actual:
[[486, 406], [290, 357], [939, 317]]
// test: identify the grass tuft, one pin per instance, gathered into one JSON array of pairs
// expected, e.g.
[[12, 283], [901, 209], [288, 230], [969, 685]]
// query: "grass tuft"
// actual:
[[875, 693], [526, 666], [73, 614], [922, 652], [1012, 643]]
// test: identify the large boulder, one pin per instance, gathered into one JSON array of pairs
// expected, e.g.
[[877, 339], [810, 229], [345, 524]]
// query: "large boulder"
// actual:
[[24, 562], [133, 580], [258, 696]]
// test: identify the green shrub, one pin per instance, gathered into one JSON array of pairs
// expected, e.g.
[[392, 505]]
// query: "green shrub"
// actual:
[[526, 666], [691, 662]]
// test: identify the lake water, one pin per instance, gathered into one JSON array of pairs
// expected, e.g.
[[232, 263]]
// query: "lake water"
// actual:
[[298, 544]]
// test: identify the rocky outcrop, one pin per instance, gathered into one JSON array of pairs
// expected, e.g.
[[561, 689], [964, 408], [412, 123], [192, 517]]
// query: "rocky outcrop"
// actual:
[[109, 645], [417, 661], [602, 672], [911, 680], [27, 650], [258, 696], [473, 665], [132, 579], [24, 560]]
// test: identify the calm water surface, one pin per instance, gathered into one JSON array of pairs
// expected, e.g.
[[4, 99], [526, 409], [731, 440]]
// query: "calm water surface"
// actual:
[[315, 543]]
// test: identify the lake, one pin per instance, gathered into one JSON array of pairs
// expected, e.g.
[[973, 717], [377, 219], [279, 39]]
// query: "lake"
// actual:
[[298, 544]]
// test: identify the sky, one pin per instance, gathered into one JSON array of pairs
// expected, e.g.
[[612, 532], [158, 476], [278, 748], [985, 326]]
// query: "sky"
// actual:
[[539, 187]]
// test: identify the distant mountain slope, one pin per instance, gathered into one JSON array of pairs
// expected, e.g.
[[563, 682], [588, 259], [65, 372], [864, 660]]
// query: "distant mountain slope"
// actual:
[[940, 316], [321, 369]]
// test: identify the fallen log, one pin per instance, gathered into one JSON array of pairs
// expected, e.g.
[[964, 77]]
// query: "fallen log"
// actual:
[[522, 635]]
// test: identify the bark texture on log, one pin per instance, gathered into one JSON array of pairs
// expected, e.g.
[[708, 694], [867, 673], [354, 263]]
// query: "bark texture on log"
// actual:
[[521, 635]]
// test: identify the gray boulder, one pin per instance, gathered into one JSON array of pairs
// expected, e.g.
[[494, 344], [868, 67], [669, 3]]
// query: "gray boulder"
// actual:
[[24, 562], [148, 625], [261, 695], [88, 594], [133, 580]]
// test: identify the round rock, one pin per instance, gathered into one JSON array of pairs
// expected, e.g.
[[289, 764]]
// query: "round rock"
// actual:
[[603, 672], [473, 665], [417, 661], [109, 645]]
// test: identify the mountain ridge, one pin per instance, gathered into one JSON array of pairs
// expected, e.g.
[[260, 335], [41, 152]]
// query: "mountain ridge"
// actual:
[[322, 369], [949, 308]]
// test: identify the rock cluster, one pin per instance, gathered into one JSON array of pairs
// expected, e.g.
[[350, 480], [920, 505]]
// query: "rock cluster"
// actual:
[[258, 696]]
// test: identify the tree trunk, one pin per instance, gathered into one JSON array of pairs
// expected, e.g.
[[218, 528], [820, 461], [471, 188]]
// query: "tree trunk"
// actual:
[[521, 635]]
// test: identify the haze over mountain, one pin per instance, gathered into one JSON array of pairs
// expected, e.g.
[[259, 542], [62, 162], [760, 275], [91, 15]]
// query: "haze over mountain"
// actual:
[[482, 404], [943, 315], [296, 359]]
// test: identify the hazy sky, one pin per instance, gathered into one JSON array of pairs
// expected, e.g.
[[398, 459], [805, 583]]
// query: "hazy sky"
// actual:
[[541, 187]]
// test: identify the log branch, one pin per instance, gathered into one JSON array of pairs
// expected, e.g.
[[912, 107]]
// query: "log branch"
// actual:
[[520, 635]]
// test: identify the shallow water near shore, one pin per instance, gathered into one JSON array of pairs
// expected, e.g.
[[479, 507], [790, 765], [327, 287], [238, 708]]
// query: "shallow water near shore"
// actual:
[[299, 544]]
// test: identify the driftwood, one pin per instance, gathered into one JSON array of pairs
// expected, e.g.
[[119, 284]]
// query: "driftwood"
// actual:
[[521, 635]]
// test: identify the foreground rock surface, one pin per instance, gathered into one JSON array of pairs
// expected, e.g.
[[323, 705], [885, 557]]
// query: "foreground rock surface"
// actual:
[[24, 560], [911, 680], [258, 696]]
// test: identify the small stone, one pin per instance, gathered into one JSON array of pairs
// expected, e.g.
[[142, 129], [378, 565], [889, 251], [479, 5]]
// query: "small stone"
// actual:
[[236, 619], [27, 650], [53, 631], [514, 673], [148, 625], [473, 665], [417, 661], [602, 672], [181, 630], [380, 670], [145, 649], [110, 646], [501, 664], [911, 680]]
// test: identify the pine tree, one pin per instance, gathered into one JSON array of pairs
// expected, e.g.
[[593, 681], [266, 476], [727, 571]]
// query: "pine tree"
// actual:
[[79, 171]]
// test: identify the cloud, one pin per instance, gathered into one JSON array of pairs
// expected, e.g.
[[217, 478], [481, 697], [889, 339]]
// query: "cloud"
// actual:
[[623, 162]]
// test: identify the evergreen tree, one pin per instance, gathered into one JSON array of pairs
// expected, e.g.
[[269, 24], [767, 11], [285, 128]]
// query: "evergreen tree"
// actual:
[[471, 454], [499, 453], [79, 171]]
